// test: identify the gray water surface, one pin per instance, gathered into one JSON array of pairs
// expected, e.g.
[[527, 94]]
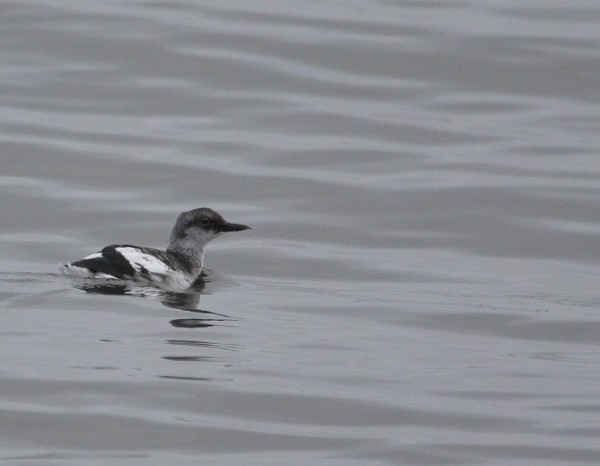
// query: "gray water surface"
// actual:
[[420, 286]]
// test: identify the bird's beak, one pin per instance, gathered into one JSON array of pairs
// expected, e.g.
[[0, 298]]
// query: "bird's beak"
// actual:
[[235, 227]]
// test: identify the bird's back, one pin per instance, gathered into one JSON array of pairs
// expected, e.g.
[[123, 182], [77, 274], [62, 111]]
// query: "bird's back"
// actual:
[[128, 262]]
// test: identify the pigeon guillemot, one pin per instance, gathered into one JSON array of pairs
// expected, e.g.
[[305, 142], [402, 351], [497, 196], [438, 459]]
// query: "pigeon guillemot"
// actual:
[[177, 268]]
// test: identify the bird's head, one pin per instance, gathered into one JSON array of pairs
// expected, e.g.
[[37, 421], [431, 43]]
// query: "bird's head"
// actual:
[[197, 227]]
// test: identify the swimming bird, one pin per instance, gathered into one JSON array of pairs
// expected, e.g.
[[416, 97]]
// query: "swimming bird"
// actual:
[[177, 268]]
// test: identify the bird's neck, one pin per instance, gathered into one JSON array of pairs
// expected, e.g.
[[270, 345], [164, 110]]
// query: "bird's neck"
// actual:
[[190, 254]]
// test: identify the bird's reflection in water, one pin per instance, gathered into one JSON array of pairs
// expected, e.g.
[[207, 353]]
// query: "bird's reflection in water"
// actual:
[[182, 346], [185, 301]]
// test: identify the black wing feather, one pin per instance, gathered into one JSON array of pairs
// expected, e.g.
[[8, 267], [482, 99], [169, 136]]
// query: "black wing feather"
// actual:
[[111, 263]]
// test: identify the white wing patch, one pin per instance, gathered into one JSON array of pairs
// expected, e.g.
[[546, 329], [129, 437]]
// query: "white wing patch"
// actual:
[[142, 262], [154, 270], [94, 256]]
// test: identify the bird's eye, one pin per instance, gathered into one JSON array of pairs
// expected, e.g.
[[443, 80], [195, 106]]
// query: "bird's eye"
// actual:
[[204, 221]]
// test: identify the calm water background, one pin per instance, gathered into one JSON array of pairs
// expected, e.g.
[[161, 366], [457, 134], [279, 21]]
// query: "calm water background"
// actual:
[[420, 286]]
